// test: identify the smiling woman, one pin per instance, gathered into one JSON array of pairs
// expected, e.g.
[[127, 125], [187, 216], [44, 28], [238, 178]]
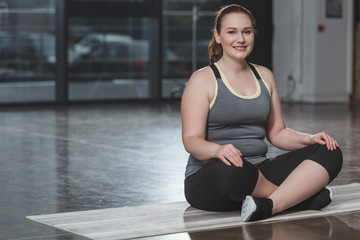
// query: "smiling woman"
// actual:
[[227, 110]]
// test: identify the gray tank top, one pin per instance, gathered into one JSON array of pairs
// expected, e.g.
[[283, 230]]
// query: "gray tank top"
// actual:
[[236, 119]]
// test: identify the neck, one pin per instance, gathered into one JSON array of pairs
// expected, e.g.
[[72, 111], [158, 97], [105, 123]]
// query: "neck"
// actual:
[[233, 66]]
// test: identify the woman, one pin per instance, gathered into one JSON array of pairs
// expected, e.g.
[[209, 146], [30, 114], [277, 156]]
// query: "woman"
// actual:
[[227, 110]]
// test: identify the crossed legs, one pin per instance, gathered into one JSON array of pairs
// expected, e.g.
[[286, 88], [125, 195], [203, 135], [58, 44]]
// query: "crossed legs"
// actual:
[[304, 181], [294, 179], [275, 185]]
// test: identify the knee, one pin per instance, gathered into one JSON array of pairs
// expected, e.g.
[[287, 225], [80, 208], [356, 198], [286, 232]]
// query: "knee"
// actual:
[[246, 173], [241, 181], [337, 160], [333, 159]]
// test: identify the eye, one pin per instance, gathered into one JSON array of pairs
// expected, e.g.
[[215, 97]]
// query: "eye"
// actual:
[[247, 32], [231, 32]]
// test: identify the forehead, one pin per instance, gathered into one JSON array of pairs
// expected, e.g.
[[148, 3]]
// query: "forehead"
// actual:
[[236, 20]]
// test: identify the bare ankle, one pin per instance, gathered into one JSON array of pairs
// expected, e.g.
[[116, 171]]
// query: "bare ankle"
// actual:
[[274, 209]]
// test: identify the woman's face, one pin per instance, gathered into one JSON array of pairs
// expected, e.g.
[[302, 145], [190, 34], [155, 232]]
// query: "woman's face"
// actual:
[[236, 35]]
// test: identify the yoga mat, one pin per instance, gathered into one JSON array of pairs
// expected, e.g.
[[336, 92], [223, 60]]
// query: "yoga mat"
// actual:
[[177, 217]]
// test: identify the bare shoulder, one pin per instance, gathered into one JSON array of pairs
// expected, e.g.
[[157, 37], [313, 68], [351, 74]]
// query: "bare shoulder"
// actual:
[[201, 84], [202, 79], [202, 75]]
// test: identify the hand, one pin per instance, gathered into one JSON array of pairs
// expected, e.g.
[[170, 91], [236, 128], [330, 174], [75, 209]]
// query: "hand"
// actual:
[[324, 139], [230, 155]]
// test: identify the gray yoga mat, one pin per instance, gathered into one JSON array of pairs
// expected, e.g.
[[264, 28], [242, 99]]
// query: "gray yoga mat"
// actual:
[[177, 217]]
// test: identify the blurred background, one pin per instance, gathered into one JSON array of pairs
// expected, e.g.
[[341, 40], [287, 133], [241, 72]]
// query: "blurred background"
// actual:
[[62, 51]]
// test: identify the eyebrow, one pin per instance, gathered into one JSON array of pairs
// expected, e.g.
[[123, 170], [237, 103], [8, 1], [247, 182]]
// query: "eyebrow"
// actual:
[[245, 28]]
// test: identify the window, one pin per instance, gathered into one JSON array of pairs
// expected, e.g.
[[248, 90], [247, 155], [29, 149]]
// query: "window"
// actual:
[[186, 33], [27, 51]]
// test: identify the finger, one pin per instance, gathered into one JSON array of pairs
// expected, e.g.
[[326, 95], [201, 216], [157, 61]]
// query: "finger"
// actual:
[[327, 140], [332, 147], [235, 157], [230, 158], [241, 159], [335, 144], [319, 141], [331, 143], [223, 159], [238, 156], [234, 161]]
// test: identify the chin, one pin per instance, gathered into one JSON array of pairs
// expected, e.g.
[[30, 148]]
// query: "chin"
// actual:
[[243, 57]]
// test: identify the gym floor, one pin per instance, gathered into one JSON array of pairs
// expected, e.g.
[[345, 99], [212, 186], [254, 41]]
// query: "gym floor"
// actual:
[[94, 156]]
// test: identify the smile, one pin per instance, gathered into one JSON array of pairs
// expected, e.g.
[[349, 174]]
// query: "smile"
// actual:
[[240, 48]]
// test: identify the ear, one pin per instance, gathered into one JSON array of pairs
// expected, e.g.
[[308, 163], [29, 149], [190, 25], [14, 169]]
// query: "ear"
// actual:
[[217, 37]]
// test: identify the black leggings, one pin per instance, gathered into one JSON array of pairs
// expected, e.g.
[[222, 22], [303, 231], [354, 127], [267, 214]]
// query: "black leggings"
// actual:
[[218, 187]]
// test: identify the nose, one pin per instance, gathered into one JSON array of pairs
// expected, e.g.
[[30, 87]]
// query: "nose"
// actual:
[[240, 38]]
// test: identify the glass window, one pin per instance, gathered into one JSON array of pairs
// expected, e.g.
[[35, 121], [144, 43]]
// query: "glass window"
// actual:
[[108, 58], [27, 51], [181, 35], [177, 38], [112, 47]]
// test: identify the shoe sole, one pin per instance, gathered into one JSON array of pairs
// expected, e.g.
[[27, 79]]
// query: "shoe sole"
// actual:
[[248, 208], [330, 193]]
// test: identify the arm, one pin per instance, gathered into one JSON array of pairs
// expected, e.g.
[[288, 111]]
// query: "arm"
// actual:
[[278, 134], [195, 104]]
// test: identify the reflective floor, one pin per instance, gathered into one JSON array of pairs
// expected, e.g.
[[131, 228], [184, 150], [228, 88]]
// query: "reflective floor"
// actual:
[[60, 159]]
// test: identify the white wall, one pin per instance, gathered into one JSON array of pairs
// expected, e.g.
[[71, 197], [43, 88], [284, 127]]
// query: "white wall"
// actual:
[[319, 62]]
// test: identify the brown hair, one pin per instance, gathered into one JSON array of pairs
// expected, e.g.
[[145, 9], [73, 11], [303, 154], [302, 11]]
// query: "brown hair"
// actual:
[[215, 49]]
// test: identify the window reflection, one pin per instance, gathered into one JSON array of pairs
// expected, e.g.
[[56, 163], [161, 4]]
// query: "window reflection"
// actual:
[[109, 57], [27, 49], [179, 37]]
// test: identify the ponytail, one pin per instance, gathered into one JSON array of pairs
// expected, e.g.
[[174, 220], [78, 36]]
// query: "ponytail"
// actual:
[[215, 50]]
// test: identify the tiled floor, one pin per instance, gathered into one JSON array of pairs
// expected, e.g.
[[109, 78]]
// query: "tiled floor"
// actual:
[[59, 159]]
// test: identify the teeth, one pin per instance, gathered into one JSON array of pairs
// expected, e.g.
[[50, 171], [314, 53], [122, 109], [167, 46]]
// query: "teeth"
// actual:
[[239, 47]]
